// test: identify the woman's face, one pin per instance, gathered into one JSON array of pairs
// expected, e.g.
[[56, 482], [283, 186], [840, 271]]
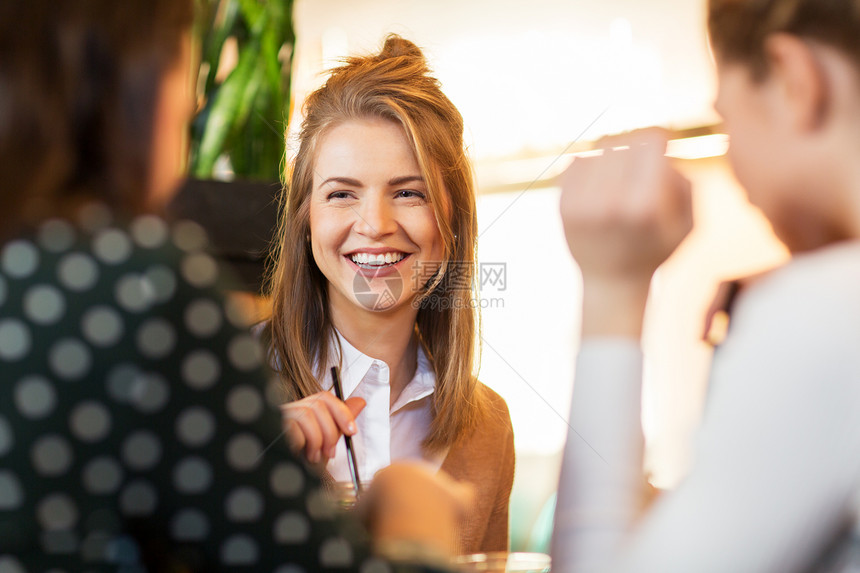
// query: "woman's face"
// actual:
[[755, 151], [770, 155], [373, 230]]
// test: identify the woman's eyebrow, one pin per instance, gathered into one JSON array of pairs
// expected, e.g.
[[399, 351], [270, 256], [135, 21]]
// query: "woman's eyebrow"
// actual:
[[405, 179], [342, 180]]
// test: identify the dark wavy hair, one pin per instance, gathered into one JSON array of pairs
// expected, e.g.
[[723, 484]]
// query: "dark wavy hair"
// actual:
[[79, 84]]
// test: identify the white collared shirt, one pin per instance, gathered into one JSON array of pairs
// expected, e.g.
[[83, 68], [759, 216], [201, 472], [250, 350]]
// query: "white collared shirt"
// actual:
[[384, 434]]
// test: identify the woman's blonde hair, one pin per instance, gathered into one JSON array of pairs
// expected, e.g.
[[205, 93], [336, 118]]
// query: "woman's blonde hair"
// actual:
[[394, 85]]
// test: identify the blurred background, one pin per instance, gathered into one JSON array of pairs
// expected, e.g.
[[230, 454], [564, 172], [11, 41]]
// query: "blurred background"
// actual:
[[536, 82]]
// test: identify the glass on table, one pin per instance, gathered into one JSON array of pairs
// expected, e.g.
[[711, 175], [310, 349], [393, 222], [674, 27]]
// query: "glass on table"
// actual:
[[504, 562], [343, 493]]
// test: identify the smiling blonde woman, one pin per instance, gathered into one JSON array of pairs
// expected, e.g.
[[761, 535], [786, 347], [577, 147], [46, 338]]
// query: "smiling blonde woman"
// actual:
[[374, 275]]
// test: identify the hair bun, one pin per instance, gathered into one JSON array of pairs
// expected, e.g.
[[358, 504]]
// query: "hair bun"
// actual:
[[396, 46]]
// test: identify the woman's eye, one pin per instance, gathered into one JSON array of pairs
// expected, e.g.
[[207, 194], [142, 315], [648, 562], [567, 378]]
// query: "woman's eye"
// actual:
[[411, 193], [338, 195]]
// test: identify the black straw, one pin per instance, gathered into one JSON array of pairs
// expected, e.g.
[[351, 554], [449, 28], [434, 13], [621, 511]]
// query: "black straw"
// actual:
[[351, 461]]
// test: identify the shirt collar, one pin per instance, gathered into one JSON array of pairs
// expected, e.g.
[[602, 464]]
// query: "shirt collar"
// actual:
[[355, 367]]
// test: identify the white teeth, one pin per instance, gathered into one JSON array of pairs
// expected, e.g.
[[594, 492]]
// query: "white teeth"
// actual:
[[377, 260]]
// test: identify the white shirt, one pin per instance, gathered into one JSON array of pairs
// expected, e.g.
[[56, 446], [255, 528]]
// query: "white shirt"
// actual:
[[778, 453], [384, 434]]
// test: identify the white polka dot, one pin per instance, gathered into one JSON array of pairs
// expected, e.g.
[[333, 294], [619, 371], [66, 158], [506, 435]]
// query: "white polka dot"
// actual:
[[35, 397], [244, 352], [61, 542], [95, 216], [244, 504], [57, 511], [149, 393], [292, 527], [335, 552], [244, 404], [275, 393], [237, 314], [287, 480], [77, 272], [239, 550], [3, 290], [90, 421], [320, 504], [102, 476], [155, 338], [138, 498], [56, 235], [70, 359], [14, 339], [189, 525], [189, 236], [200, 369], [19, 259], [6, 439], [94, 546], [192, 475], [149, 231], [112, 246], [102, 326], [141, 451], [199, 270], [163, 282], [243, 452], [11, 494], [203, 318], [9, 564], [120, 382], [195, 426], [51, 455], [44, 304], [134, 293], [375, 565]]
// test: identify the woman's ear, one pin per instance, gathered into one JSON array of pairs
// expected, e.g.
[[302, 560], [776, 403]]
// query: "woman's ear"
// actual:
[[802, 88]]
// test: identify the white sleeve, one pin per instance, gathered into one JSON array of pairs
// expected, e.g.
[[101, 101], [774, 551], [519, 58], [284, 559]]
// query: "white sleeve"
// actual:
[[601, 475], [777, 456]]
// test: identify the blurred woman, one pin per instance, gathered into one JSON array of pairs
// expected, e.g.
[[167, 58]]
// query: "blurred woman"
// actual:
[[375, 271], [777, 466], [134, 432]]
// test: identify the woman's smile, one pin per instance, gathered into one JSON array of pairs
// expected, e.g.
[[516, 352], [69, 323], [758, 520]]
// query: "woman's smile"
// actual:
[[371, 218]]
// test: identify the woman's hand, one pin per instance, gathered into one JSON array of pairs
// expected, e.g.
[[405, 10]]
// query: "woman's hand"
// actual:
[[414, 512], [316, 423], [624, 213]]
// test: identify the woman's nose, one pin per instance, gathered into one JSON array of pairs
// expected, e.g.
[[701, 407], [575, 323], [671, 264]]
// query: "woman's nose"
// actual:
[[375, 217]]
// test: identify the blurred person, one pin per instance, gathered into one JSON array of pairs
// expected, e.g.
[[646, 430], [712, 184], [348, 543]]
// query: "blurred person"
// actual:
[[775, 469], [134, 429], [375, 268]]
